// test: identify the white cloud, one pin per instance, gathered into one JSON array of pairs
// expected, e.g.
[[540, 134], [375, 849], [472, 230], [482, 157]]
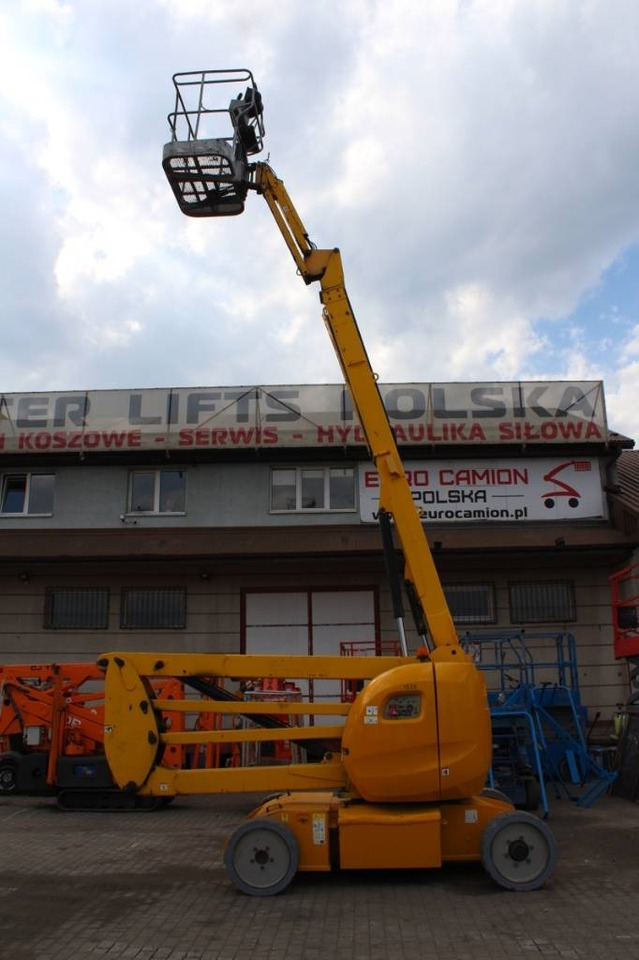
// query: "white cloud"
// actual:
[[477, 163], [622, 391]]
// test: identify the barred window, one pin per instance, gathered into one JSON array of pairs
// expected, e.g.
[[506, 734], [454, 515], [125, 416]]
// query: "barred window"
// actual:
[[471, 602], [153, 609], [312, 488], [552, 601], [76, 608]]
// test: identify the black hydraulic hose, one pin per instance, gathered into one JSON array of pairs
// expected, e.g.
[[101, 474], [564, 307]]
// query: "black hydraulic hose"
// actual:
[[215, 692], [416, 609], [390, 561], [315, 749]]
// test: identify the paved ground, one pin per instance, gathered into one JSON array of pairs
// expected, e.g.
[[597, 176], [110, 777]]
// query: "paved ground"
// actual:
[[134, 886]]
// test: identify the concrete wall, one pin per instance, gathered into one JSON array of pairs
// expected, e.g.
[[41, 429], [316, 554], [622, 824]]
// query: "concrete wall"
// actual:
[[603, 681], [220, 495], [214, 613]]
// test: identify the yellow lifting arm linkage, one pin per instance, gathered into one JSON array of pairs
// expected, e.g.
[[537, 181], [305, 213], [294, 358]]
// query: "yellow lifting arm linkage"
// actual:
[[136, 733], [325, 267]]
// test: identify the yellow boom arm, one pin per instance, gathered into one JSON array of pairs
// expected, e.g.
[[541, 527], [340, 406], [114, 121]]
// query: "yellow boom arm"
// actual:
[[325, 267], [403, 738]]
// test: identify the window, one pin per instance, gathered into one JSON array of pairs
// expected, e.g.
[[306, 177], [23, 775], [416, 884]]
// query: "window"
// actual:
[[157, 491], [471, 602], [549, 602], [312, 488], [153, 609], [27, 494], [76, 609]]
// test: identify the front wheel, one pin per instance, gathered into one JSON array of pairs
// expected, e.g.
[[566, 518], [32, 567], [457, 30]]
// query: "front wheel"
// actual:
[[261, 857], [518, 851]]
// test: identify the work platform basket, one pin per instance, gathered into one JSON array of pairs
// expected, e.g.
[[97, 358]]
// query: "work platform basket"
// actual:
[[213, 133]]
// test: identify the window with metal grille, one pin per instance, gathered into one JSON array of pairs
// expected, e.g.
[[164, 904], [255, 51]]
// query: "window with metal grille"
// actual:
[[157, 491], [153, 609], [27, 494], [471, 602], [552, 601], [312, 488], [76, 609]]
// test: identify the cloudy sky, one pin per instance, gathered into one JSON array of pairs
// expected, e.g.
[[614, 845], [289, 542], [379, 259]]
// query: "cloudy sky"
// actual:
[[477, 162]]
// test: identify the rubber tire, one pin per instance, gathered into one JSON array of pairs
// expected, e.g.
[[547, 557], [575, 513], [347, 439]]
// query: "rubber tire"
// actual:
[[533, 794], [8, 778], [237, 845], [510, 823]]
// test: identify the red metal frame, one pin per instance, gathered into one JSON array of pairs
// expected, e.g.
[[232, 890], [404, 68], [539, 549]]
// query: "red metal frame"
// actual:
[[624, 596], [365, 648]]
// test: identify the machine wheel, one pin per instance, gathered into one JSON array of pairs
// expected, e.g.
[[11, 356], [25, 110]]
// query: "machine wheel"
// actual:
[[533, 794], [518, 851], [261, 857], [8, 777]]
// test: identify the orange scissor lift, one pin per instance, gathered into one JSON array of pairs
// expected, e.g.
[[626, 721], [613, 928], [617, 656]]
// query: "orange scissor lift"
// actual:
[[52, 734]]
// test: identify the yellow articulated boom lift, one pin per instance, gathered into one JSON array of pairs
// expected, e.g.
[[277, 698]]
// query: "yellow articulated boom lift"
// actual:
[[398, 779]]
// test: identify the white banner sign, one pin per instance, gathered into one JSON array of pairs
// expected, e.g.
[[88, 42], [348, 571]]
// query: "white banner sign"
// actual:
[[502, 490], [301, 416]]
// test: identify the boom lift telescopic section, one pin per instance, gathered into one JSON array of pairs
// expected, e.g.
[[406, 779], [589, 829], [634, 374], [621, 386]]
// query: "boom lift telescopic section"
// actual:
[[211, 177], [405, 785]]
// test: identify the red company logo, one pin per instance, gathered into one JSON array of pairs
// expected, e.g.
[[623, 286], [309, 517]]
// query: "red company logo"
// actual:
[[562, 487]]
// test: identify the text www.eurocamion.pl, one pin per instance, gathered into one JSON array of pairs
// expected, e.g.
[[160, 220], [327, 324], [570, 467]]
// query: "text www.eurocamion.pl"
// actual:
[[476, 513]]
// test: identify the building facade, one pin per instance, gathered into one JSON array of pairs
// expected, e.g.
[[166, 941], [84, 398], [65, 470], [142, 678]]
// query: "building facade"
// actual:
[[244, 519]]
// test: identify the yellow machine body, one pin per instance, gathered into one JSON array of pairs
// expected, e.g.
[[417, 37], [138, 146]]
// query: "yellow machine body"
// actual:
[[407, 739], [338, 832]]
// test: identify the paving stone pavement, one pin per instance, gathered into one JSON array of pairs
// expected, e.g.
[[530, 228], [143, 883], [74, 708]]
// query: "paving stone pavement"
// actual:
[[151, 886]]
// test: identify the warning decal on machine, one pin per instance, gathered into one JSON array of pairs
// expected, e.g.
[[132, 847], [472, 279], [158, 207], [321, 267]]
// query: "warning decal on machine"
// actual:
[[371, 714], [319, 829]]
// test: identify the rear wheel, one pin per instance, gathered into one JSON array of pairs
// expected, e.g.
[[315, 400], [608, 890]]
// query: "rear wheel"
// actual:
[[533, 794], [8, 777], [261, 857], [518, 851]]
